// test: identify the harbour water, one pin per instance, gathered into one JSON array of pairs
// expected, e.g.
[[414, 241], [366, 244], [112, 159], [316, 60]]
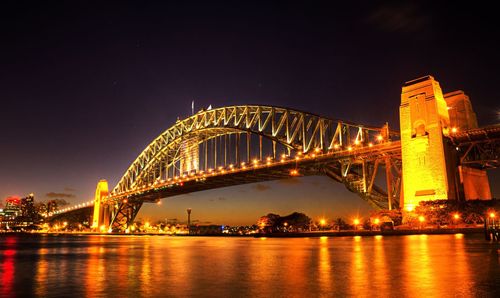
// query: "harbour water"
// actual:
[[161, 266]]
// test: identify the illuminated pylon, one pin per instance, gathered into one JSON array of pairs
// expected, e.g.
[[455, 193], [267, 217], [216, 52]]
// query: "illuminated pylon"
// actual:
[[101, 213]]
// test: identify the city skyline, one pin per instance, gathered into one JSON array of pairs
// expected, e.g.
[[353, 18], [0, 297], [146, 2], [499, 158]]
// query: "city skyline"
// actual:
[[85, 99]]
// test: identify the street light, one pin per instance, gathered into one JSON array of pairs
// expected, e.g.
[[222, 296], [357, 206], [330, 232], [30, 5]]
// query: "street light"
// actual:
[[356, 223], [322, 223], [421, 219]]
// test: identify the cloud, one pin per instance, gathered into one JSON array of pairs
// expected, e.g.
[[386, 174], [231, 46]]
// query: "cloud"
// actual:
[[59, 195], [261, 187], [290, 181], [69, 189], [218, 199], [400, 17]]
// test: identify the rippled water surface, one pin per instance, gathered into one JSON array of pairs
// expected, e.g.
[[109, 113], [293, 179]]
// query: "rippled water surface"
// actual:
[[160, 266]]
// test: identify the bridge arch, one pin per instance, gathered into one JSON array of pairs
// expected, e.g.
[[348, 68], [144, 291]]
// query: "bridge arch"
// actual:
[[183, 149]]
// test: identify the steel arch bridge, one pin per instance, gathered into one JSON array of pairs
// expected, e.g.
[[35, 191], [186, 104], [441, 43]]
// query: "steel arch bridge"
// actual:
[[243, 144]]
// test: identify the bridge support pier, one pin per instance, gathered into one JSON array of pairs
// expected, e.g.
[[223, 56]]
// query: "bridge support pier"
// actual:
[[102, 212], [125, 215]]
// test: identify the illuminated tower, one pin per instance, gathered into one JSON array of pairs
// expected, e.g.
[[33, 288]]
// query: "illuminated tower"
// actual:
[[428, 167]]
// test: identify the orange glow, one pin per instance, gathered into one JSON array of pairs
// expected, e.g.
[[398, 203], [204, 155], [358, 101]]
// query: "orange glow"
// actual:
[[322, 222], [349, 148], [356, 142], [356, 221], [336, 146], [456, 216], [380, 138], [376, 221], [317, 150], [421, 218], [370, 144], [454, 130], [294, 172], [492, 214]]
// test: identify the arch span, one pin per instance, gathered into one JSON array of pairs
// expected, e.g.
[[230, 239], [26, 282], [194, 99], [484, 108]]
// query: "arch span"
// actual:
[[236, 136]]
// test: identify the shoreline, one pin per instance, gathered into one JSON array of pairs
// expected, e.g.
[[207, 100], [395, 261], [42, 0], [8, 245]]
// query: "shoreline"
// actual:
[[372, 233], [347, 233]]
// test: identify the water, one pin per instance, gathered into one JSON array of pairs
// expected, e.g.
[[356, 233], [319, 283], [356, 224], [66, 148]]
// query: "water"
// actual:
[[159, 266]]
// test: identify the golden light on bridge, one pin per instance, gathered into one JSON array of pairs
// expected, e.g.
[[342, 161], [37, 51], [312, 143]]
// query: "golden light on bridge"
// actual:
[[322, 222], [492, 215], [376, 221], [356, 221], [294, 172], [380, 138], [456, 216], [421, 218]]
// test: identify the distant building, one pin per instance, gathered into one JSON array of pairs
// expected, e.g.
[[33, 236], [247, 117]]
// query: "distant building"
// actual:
[[12, 208], [52, 206], [28, 207]]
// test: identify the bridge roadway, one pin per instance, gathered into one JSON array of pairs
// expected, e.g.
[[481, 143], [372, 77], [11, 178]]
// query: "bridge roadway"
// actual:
[[315, 163]]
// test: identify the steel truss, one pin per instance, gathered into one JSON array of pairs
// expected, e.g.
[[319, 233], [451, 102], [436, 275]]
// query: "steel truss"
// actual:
[[227, 134], [478, 148]]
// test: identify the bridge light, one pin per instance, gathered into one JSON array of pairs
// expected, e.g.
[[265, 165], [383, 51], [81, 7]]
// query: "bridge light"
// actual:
[[65, 223], [454, 130], [356, 221], [125, 201], [242, 164], [492, 214], [380, 138], [322, 222], [297, 157], [317, 150], [421, 218], [376, 221], [210, 170], [294, 172], [456, 216], [356, 142], [220, 168], [158, 203], [231, 166], [300, 153], [349, 148], [255, 161], [268, 158], [283, 156], [336, 146], [313, 155], [370, 144]]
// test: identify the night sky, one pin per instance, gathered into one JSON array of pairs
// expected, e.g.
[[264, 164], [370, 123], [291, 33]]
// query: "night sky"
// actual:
[[86, 86]]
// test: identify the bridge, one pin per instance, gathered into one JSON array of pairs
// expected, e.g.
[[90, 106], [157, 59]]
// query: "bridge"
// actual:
[[439, 152]]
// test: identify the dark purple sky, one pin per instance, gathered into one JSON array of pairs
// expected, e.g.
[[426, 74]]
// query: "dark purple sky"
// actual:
[[85, 86]]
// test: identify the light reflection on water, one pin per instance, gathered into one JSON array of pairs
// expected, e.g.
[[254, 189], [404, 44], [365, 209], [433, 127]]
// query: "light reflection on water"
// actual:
[[153, 266]]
